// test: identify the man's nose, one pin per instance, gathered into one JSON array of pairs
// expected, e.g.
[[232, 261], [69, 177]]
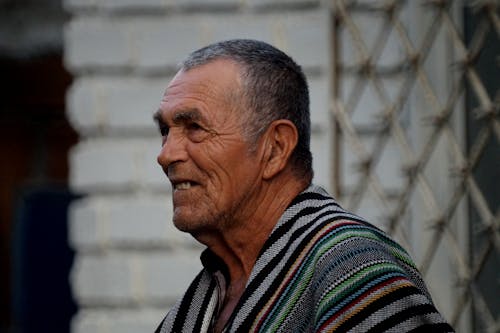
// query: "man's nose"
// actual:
[[173, 149]]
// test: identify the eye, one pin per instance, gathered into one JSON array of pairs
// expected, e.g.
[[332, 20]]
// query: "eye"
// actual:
[[196, 132], [192, 127], [163, 130]]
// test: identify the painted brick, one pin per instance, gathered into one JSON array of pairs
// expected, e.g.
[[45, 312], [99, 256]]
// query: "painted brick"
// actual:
[[321, 152], [70, 5], [86, 229], [130, 104], [133, 5], [204, 5], [167, 275], [117, 321], [160, 43], [153, 44], [84, 107], [103, 280], [141, 222], [240, 26], [307, 38], [199, 5], [126, 278], [114, 105], [130, 322], [319, 99], [148, 5], [280, 30], [106, 164], [92, 42], [152, 175], [86, 321], [321, 131], [103, 165], [304, 37], [283, 4]]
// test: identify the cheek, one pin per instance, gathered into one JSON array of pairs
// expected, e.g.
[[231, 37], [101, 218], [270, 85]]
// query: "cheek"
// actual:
[[227, 168], [216, 161]]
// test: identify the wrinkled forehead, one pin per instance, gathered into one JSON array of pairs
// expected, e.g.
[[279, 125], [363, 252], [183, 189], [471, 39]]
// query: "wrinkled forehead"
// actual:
[[212, 89], [217, 81]]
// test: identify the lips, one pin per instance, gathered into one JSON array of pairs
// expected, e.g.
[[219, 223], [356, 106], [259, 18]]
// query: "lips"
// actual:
[[181, 180], [182, 183], [186, 185]]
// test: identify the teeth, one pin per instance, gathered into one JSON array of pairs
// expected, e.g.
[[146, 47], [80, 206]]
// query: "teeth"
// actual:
[[183, 186]]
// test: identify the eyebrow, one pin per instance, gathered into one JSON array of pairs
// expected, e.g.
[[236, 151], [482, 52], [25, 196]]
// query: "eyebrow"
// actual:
[[157, 117], [187, 115], [180, 117]]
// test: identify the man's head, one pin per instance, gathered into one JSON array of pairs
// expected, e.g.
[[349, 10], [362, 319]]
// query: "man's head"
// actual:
[[228, 139], [273, 87]]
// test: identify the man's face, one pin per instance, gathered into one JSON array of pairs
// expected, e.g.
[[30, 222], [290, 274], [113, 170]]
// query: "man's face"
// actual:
[[215, 176]]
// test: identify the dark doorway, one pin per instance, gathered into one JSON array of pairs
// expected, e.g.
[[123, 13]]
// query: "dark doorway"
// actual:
[[35, 138], [42, 259]]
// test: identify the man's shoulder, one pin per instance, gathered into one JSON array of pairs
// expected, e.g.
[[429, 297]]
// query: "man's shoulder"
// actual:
[[343, 237], [333, 230]]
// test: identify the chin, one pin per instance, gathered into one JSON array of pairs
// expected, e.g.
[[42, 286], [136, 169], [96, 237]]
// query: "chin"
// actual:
[[187, 223], [181, 224], [197, 227]]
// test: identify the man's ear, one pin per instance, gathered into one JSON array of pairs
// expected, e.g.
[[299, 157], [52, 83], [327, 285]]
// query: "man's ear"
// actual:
[[282, 137]]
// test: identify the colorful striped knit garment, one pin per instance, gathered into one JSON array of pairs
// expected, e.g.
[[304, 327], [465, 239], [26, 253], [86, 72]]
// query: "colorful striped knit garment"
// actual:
[[321, 270]]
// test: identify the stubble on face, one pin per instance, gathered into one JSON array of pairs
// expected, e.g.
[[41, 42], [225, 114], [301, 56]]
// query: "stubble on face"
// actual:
[[219, 203], [221, 166]]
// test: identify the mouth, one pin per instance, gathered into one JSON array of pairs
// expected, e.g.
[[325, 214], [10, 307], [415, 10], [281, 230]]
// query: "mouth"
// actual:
[[182, 184], [185, 185]]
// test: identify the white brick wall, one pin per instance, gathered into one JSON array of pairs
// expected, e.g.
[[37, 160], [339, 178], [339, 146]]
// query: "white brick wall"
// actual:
[[104, 105], [100, 222], [153, 44], [125, 164], [131, 278], [96, 42], [117, 168], [131, 263], [111, 320]]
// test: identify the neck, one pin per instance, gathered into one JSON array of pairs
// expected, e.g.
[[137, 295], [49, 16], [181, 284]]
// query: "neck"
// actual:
[[240, 244]]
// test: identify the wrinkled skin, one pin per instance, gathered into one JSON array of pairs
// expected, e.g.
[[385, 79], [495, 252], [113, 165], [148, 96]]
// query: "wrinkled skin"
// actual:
[[215, 174]]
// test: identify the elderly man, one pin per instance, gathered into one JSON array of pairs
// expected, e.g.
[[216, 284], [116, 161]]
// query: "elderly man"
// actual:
[[282, 255]]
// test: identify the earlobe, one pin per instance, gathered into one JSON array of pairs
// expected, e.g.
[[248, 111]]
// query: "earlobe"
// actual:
[[282, 138]]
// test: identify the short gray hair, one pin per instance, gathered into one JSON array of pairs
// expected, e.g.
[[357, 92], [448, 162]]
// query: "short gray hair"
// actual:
[[274, 87]]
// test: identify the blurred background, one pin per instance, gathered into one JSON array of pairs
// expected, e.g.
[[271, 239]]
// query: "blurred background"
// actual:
[[405, 110], [35, 137]]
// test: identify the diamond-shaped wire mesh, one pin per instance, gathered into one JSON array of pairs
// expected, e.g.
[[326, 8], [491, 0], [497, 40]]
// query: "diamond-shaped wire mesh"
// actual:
[[415, 108]]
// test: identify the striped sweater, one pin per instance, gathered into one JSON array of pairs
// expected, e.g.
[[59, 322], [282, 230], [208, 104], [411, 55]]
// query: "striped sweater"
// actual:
[[322, 269]]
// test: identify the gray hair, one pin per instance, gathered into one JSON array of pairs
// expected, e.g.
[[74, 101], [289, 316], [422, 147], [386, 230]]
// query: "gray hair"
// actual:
[[274, 87]]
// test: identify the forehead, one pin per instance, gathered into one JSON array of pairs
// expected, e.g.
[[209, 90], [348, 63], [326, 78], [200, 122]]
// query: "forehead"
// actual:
[[202, 88]]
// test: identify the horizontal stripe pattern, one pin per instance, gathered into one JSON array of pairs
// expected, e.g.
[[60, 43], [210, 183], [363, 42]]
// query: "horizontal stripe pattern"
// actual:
[[322, 269]]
